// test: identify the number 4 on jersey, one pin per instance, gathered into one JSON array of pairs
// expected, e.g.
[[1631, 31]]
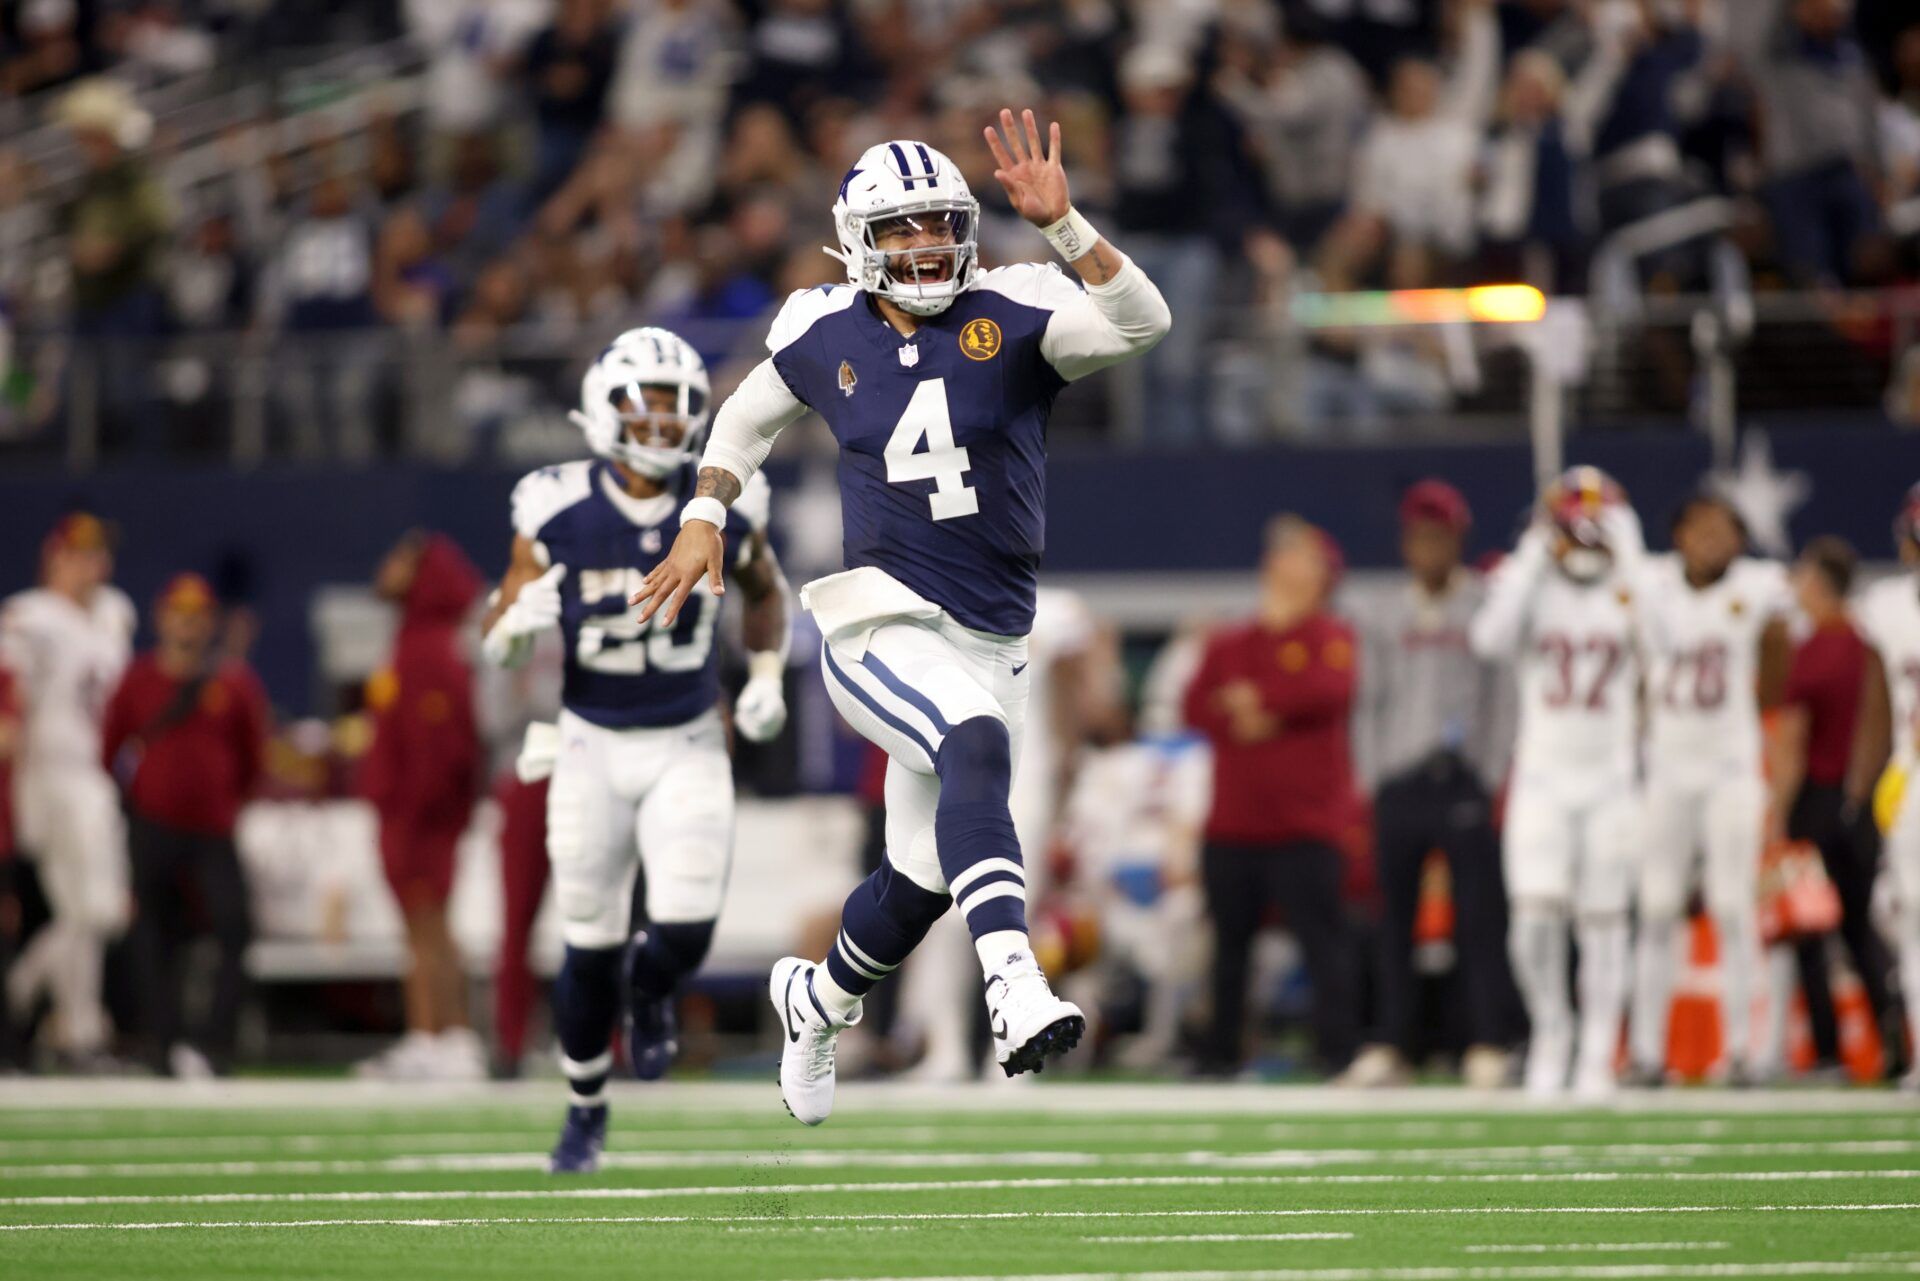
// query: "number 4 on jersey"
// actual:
[[942, 462]]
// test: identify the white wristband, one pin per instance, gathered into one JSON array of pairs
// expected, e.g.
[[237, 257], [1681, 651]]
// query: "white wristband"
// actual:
[[707, 508], [1073, 235]]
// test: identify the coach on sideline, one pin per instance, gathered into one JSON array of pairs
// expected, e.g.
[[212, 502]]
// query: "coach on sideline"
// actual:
[[1274, 695]]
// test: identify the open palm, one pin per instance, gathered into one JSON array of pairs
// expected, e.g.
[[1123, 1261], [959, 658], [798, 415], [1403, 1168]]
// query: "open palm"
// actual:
[[1035, 180]]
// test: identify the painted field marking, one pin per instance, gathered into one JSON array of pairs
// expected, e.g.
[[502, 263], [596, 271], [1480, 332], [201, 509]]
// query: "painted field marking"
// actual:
[[1573, 1272], [1223, 1236], [1598, 1247], [850, 1158], [964, 1216]]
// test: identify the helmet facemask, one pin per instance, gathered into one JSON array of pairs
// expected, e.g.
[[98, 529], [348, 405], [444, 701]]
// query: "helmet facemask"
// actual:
[[657, 425], [918, 256]]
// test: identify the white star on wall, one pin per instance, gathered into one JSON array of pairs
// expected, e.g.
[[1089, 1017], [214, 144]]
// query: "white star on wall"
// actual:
[[1766, 499]]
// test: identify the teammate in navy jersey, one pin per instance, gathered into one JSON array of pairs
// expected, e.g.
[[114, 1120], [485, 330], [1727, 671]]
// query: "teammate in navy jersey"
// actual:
[[937, 378], [639, 760]]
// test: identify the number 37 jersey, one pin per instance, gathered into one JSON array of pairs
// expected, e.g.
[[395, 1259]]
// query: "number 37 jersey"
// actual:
[[619, 673], [942, 435]]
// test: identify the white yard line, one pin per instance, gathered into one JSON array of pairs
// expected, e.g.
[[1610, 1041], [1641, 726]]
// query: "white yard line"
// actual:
[[961, 1216], [528, 1157], [1524, 1272], [1223, 1237], [1596, 1247], [1137, 1100], [944, 1185]]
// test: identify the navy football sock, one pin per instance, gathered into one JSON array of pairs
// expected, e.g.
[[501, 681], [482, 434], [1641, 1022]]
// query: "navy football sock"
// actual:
[[672, 951], [979, 851], [884, 919], [586, 1001]]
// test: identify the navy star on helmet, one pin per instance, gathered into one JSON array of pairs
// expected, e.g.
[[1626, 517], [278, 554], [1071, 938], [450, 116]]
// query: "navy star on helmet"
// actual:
[[613, 411], [907, 185]]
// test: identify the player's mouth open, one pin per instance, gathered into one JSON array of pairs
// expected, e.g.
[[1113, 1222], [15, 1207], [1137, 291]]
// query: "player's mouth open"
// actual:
[[927, 271]]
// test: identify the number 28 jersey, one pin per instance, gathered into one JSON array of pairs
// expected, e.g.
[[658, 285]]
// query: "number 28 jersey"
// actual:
[[942, 435], [1703, 663], [619, 673]]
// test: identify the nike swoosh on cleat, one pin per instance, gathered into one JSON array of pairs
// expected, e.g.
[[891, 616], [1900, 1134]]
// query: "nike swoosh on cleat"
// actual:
[[786, 1008], [1000, 1029]]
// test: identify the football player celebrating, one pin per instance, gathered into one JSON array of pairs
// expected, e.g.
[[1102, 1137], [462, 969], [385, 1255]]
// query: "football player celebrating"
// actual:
[[937, 378], [1890, 617], [1560, 608], [1712, 624], [640, 768]]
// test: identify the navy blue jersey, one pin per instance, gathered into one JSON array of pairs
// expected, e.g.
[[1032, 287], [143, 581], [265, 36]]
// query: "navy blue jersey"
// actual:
[[620, 673], [942, 435]]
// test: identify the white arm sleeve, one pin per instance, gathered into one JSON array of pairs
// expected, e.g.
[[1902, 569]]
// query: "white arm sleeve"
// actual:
[[747, 424], [1501, 624], [1103, 324]]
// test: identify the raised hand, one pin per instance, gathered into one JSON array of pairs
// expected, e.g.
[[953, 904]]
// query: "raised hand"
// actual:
[[1035, 180], [700, 550]]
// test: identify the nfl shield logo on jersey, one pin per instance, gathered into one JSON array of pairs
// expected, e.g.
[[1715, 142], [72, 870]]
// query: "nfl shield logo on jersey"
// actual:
[[650, 541], [909, 356]]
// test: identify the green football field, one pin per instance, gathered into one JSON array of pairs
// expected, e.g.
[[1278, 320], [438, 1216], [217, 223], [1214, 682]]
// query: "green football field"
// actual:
[[281, 1179]]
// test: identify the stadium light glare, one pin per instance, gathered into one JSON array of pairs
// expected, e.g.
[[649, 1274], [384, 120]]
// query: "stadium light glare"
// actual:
[[1485, 304]]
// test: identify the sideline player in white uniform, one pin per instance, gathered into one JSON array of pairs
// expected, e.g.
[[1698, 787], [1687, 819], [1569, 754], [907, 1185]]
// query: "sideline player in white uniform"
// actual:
[[66, 642], [1713, 625], [937, 379], [1889, 616], [1561, 610], [639, 764]]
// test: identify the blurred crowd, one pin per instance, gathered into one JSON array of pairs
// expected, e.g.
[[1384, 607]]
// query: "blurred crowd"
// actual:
[[562, 166]]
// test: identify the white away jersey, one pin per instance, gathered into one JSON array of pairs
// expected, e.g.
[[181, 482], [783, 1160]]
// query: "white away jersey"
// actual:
[[1703, 662], [1572, 647], [66, 660], [1889, 615]]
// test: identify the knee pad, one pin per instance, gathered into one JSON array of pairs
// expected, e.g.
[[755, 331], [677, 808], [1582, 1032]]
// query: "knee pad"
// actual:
[[674, 949], [912, 906], [976, 762]]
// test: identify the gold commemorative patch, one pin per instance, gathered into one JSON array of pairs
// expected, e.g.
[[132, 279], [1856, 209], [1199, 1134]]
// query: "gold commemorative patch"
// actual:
[[980, 339]]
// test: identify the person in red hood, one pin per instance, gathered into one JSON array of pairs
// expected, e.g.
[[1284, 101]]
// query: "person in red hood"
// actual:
[[423, 776], [1274, 696]]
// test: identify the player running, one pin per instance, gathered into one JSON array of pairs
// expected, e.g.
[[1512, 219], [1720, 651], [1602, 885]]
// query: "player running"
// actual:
[[1889, 615], [1560, 608], [640, 768], [66, 643], [1713, 625], [937, 379]]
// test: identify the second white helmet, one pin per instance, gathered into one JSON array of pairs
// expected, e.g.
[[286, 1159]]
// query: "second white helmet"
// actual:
[[908, 186], [614, 412]]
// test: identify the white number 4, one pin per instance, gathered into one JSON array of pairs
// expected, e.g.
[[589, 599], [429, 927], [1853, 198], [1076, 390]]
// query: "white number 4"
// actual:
[[942, 462]]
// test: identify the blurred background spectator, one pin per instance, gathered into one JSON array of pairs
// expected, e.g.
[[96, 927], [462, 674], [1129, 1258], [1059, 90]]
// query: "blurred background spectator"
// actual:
[[186, 733], [1274, 697]]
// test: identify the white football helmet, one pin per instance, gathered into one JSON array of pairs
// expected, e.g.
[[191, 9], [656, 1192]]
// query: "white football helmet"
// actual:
[[908, 186], [613, 410]]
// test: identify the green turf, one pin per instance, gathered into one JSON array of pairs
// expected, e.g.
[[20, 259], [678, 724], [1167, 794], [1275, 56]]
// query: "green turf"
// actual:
[[720, 1184]]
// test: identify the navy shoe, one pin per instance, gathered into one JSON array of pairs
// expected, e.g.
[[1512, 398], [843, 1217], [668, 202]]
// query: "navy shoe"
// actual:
[[652, 1035], [581, 1139]]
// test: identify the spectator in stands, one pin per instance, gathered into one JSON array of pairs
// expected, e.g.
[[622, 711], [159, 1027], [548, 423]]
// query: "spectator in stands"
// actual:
[[1303, 112], [1528, 223], [568, 67], [1432, 732], [1819, 138], [471, 46], [1820, 799], [423, 776], [186, 734], [1413, 186], [802, 51], [51, 51], [117, 227], [1176, 198], [1274, 696], [1639, 57], [321, 283], [478, 214], [669, 97], [413, 288]]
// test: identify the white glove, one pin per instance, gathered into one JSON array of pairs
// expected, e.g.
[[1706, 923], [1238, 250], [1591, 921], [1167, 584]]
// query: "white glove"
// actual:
[[535, 609], [761, 710]]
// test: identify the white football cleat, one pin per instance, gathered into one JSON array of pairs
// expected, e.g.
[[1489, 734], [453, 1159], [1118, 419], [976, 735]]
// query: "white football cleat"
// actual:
[[806, 1056], [1548, 1056], [1030, 1024]]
